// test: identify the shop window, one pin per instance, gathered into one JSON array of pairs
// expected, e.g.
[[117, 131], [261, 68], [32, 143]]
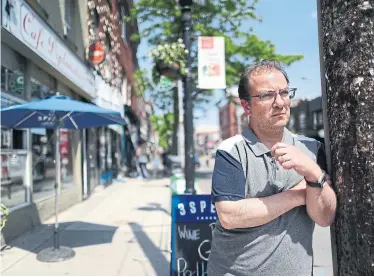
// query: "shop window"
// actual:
[[315, 120], [44, 171], [123, 12], [19, 139], [12, 81], [39, 90], [44, 147], [320, 118], [302, 121], [12, 139], [13, 188], [95, 20], [68, 16], [6, 139], [92, 158], [13, 161]]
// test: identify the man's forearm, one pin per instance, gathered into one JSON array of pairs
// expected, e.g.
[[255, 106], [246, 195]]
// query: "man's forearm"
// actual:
[[254, 212], [321, 204]]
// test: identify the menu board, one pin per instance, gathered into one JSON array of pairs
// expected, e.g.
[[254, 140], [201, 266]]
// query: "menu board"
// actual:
[[193, 221]]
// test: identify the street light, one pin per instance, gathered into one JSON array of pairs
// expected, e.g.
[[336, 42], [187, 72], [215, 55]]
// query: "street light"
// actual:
[[189, 168]]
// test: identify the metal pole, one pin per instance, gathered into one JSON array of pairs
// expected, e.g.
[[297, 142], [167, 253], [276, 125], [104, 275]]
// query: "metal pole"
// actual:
[[85, 169], [180, 122], [189, 169], [57, 188]]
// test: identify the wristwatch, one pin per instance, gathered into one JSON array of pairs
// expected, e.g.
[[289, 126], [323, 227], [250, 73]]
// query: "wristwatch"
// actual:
[[320, 182]]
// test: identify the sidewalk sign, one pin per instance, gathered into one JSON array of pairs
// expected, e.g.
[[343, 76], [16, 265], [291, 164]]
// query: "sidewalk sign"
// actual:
[[193, 220]]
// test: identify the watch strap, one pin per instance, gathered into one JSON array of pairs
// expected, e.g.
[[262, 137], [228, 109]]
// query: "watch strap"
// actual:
[[320, 182]]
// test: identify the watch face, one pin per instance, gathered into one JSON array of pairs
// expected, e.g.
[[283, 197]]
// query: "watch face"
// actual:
[[323, 181]]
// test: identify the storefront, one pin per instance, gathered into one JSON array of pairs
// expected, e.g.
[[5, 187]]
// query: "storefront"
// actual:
[[103, 157], [36, 63], [130, 140]]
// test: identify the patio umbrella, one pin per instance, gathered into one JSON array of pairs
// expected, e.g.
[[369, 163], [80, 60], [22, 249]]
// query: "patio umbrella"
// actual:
[[57, 112]]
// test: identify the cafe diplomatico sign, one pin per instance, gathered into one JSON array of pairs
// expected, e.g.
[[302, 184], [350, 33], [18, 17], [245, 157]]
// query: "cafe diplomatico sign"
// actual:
[[22, 22]]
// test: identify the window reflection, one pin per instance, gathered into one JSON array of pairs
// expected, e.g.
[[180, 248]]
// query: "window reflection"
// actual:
[[39, 90], [13, 159], [12, 81], [13, 188]]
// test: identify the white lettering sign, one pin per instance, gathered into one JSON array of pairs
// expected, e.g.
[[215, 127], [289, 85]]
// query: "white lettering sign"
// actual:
[[194, 207], [188, 234], [182, 270]]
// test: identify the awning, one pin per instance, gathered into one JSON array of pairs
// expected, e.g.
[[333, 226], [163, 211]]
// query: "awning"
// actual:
[[117, 128]]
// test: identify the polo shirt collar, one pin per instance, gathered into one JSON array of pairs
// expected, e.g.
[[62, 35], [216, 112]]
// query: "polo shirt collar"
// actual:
[[258, 147]]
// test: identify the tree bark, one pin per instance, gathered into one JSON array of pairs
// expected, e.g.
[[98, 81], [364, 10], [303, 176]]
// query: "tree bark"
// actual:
[[174, 144], [346, 32]]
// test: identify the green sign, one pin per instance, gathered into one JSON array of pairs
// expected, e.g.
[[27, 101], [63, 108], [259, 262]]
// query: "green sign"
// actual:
[[165, 84]]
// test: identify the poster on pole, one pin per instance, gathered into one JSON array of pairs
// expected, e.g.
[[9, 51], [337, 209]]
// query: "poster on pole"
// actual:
[[211, 59]]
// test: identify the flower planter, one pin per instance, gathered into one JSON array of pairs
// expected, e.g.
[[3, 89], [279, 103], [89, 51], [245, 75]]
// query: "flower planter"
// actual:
[[170, 71]]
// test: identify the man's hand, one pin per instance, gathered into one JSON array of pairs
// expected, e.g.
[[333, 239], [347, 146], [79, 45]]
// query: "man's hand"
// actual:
[[290, 157]]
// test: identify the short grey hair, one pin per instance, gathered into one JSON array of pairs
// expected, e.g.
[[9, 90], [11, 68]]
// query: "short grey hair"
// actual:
[[258, 68]]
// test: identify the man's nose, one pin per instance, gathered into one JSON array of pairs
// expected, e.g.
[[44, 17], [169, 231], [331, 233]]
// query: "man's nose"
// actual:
[[278, 101]]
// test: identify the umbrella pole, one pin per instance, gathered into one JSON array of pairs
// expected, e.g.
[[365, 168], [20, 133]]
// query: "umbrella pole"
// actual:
[[56, 240], [56, 253]]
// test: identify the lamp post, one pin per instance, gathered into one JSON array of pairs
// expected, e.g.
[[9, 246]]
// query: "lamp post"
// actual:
[[189, 168]]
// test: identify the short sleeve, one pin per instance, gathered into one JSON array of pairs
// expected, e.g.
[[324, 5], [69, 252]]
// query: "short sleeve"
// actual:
[[228, 181]]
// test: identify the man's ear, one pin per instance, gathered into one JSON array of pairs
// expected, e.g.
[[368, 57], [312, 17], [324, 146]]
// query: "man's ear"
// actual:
[[246, 106]]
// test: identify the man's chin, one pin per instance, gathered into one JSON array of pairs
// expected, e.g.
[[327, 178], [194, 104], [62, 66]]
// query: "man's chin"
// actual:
[[280, 123]]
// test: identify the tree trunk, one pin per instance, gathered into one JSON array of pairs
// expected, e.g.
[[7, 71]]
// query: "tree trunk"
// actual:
[[346, 32], [174, 144]]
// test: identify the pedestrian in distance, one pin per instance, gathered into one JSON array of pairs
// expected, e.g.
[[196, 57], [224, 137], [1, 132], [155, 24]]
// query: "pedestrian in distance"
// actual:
[[142, 160], [156, 164], [269, 186]]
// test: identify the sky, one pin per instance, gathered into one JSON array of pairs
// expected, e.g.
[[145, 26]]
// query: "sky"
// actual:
[[291, 25]]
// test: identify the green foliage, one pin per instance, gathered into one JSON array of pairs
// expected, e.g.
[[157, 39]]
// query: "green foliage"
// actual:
[[4, 215], [141, 82], [163, 124], [170, 54], [161, 23]]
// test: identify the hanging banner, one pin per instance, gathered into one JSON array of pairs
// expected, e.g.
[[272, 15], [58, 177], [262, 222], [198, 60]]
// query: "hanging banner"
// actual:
[[211, 58]]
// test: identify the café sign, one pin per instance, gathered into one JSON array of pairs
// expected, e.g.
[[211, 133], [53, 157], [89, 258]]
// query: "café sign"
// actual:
[[22, 22]]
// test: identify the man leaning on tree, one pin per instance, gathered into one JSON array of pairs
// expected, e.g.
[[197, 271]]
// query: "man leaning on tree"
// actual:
[[269, 185]]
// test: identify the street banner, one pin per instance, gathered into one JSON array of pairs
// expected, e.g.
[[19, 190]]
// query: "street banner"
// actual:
[[193, 221], [211, 63]]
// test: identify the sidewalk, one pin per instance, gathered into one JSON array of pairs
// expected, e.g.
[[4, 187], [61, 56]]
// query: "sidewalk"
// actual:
[[121, 230]]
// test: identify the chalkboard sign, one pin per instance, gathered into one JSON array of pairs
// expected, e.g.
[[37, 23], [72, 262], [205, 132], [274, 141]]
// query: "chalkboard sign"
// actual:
[[193, 220]]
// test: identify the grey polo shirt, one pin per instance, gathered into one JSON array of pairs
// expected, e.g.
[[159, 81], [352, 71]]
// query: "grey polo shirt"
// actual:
[[245, 168]]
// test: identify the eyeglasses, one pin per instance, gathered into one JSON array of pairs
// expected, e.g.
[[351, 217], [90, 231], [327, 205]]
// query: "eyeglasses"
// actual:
[[285, 94]]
